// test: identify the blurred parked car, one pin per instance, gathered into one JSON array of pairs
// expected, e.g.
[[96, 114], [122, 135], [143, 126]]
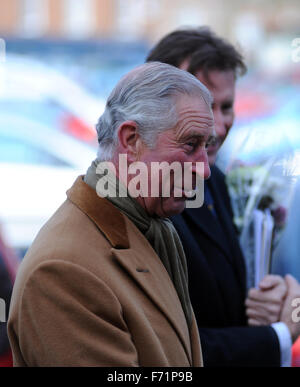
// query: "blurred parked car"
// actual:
[[47, 138], [37, 166], [33, 90]]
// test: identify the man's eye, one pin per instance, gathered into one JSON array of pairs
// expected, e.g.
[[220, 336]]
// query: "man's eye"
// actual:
[[191, 144], [227, 107], [210, 142]]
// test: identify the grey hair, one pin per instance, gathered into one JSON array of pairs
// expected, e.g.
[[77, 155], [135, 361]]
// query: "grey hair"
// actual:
[[146, 95]]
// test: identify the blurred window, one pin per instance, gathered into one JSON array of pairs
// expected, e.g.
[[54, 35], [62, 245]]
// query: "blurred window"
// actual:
[[13, 150], [79, 18], [34, 17], [2, 50], [191, 16], [132, 18]]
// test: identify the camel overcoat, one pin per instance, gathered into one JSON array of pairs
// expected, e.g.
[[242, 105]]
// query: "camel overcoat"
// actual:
[[91, 291]]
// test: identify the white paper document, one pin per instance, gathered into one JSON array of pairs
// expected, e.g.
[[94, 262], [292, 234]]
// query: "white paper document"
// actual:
[[263, 225]]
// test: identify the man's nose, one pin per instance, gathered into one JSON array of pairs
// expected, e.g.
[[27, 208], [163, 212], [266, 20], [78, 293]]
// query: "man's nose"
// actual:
[[206, 172], [201, 168]]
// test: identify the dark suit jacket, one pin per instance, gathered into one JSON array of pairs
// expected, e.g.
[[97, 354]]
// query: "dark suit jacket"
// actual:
[[217, 281]]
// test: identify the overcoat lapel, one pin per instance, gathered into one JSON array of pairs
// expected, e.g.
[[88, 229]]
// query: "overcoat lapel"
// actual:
[[143, 265], [147, 270]]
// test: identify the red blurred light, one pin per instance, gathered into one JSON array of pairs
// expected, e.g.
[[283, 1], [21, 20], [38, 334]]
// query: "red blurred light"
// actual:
[[79, 129], [253, 105], [296, 354]]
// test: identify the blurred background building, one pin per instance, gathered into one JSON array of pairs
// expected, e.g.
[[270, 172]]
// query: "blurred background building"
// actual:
[[59, 59], [265, 30], [146, 19]]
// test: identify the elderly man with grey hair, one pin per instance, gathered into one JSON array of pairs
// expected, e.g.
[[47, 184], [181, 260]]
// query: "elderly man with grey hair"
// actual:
[[105, 281]]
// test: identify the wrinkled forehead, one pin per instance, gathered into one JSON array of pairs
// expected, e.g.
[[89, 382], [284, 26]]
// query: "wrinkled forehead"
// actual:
[[194, 114], [196, 96], [197, 104]]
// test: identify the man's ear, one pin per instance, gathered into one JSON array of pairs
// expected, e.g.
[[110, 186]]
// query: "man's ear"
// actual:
[[185, 64], [129, 140]]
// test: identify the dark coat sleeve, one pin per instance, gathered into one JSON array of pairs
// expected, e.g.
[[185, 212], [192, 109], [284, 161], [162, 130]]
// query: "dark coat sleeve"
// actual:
[[240, 347], [217, 286]]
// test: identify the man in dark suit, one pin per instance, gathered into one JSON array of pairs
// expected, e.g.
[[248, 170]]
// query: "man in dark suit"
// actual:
[[232, 333]]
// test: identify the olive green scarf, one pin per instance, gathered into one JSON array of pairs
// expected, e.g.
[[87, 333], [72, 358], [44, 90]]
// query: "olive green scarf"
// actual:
[[160, 233]]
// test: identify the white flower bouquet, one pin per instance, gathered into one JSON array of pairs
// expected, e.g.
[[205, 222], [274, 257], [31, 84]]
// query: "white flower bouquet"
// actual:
[[259, 196]]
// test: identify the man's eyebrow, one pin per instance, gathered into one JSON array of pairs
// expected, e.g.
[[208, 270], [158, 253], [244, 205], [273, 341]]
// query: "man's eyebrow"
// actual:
[[189, 136], [196, 135], [228, 101]]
